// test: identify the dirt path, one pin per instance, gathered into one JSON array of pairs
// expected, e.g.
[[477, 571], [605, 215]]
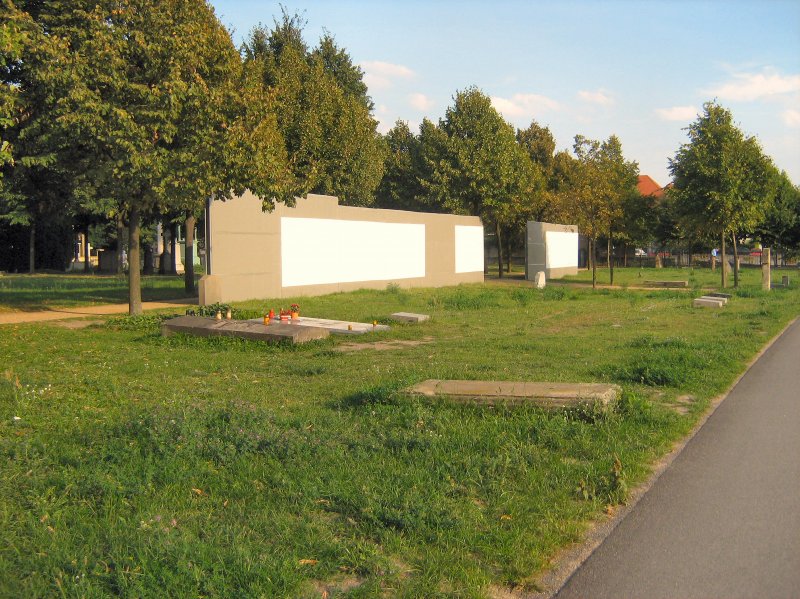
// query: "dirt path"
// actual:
[[84, 311]]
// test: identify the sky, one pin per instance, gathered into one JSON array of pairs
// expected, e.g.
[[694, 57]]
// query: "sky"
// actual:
[[638, 69]]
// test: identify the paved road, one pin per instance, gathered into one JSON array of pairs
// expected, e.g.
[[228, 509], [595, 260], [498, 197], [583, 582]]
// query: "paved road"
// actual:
[[84, 311], [724, 519]]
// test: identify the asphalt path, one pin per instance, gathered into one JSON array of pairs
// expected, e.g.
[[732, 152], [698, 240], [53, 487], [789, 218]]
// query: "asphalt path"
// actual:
[[724, 519]]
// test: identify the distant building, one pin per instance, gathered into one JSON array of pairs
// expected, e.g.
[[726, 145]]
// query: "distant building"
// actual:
[[648, 187]]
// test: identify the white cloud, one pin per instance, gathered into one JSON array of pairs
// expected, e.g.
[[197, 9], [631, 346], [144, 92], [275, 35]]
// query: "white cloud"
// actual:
[[747, 87], [524, 105], [791, 117], [600, 97], [421, 102], [678, 113], [382, 75]]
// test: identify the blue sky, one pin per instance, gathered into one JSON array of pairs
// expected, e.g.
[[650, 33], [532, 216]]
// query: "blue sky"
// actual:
[[637, 69]]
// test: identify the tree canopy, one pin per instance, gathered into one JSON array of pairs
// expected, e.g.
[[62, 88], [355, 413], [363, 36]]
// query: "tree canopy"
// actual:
[[322, 111], [721, 179]]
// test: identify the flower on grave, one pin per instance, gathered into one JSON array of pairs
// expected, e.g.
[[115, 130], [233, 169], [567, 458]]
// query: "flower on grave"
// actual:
[[295, 308]]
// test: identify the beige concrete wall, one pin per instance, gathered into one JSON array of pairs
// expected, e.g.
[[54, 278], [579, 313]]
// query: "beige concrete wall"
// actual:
[[246, 261], [540, 254]]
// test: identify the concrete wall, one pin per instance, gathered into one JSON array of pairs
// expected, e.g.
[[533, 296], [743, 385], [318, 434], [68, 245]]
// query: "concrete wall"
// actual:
[[319, 247], [551, 248]]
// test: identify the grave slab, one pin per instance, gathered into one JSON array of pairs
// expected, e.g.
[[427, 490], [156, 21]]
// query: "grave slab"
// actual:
[[547, 395], [708, 302], [718, 294], [409, 317], [718, 298], [244, 329], [336, 327]]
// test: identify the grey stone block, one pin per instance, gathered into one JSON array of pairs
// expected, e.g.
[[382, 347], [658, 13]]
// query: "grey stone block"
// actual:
[[244, 329], [708, 302], [409, 317], [548, 395]]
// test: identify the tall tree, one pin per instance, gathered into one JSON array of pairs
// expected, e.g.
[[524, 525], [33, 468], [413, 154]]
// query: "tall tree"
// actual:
[[322, 111], [12, 38], [780, 227], [142, 76], [721, 180], [337, 62], [401, 186], [480, 168], [600, 180]]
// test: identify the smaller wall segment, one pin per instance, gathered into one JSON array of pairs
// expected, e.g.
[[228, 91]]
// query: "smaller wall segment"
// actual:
[[319, 247], [551, 248]]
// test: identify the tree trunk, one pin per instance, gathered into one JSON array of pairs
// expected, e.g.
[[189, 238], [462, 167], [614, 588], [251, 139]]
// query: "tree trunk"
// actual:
[[625, 256], [173, 243], [149, 257], [724, 265], [134, 276], [593, 252], [120, 244], [32, 248], [163, 259], [508, 254], [499, 250], [87, 263], [610, 260], [735, 262], [188, 269]]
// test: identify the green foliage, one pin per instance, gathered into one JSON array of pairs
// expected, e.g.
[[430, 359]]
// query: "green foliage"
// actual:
[[48, 292], [322, 111], [211, 310], [145, 454], [462, 298], [147, 323], [721, 181], [780, 228], [403, 184]]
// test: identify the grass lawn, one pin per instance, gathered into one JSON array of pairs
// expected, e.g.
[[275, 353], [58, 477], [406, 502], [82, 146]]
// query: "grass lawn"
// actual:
[[43, 292], [134, 464]]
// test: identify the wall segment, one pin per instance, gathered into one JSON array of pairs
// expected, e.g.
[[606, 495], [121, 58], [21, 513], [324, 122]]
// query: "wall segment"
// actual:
[[319, 247]]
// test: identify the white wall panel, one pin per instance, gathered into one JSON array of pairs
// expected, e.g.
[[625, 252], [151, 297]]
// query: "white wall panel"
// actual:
[[469, 249], [317, 251], [562, 249]]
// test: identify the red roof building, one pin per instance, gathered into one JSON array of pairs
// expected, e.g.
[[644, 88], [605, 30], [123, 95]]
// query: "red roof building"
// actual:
[[648, 187]]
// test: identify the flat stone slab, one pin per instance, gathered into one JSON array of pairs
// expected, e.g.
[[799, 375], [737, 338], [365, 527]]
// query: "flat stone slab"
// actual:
[[718, 298], [244, 329], [708, 302], [726, 296], [337, 327], [409, 317], [547, 395], [667, 284]]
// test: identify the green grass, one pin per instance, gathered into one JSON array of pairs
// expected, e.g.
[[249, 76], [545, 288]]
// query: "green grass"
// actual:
[[43, 292], [697, 277], [215, 467]]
